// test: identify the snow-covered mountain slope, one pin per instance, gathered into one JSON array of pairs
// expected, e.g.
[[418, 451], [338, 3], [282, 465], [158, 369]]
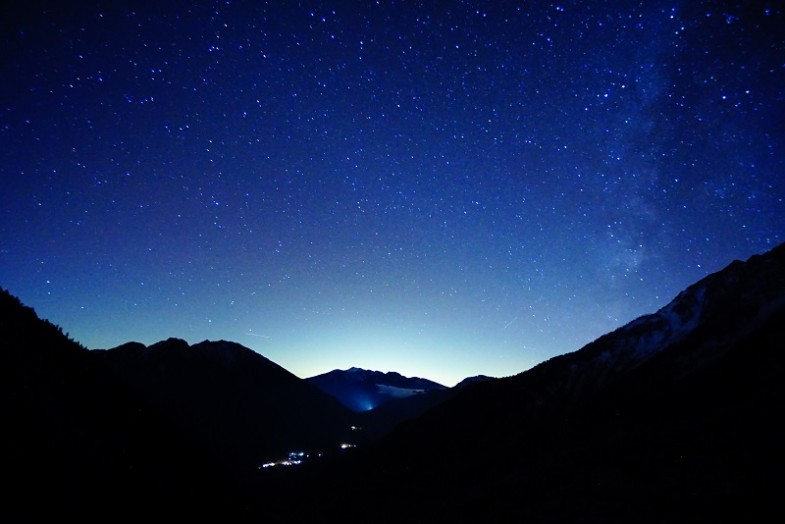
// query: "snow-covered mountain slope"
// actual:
[[709, 316]]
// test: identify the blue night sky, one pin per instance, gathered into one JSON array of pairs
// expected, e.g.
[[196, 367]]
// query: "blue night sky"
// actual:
[[437, 188]]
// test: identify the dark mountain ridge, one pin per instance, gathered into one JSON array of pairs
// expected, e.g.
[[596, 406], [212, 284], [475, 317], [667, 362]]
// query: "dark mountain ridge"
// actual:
[[364, 390], [79, 443], [671, 417], [468, 381], [245, 408], [381, 420]]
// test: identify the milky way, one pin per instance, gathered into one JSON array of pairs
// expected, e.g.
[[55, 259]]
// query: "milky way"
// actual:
[[440, 191]]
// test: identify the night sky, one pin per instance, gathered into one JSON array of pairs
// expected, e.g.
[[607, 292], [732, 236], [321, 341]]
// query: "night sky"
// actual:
[[437, 188]]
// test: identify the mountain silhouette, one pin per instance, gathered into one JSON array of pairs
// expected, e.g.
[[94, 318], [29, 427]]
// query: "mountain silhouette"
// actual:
[[364, 390], [385, 400], [468, 381], [378, 422], [79, 444], [246, 409], [673, 417]]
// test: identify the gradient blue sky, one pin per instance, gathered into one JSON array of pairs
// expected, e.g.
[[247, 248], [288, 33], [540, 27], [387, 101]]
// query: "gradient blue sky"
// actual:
[[442, 189]]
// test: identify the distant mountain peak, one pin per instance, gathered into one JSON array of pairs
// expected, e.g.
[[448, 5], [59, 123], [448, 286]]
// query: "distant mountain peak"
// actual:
[[468, 381], [170, 343], [362, 390]]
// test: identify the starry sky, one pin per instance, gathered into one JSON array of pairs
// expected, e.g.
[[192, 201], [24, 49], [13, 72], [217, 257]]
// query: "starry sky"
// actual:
[[442, 189]]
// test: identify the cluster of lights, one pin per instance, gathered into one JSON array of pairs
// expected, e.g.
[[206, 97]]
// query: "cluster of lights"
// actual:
[[296, 458]]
